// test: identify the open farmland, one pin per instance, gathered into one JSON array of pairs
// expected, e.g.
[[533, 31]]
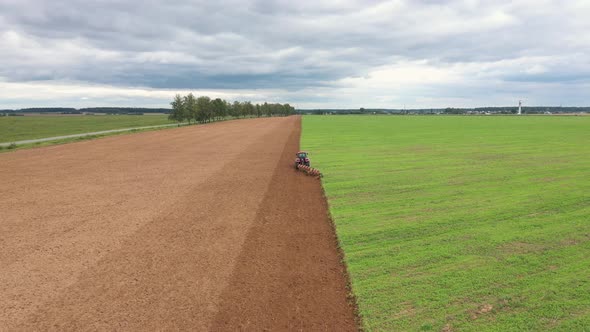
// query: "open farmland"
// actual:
[[461, 223], [195, 228], [18, 128]]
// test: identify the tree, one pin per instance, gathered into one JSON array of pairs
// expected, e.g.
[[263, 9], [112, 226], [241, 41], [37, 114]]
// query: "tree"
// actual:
[[217, 107], [236, 109], [226, 108], [266, 109], [289, 110], [190, 107], [178, 110], [282, 110], [230, 109], [204, 109], [247, 109]]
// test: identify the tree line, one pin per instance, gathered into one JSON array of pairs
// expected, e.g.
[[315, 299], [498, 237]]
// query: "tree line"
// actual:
[[204, 109], [71, 110]]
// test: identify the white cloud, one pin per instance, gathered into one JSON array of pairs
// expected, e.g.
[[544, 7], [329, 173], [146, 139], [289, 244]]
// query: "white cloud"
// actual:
[[320, 53], [70, 94]]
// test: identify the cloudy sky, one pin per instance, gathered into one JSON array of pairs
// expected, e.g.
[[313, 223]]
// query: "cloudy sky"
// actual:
[[320, 53]]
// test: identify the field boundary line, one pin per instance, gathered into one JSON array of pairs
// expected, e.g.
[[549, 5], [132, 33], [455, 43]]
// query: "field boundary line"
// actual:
[[351, 297]]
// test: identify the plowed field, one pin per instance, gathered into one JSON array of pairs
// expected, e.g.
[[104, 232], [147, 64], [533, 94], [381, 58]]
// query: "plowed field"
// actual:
[[196, 228]]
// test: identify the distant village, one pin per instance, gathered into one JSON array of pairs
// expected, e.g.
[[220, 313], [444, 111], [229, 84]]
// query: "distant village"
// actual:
[[544, 110]]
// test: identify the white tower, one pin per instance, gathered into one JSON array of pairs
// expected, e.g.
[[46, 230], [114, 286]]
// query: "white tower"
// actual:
[[519, 107]]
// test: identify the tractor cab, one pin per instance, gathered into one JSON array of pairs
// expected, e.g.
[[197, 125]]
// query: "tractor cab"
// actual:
[[302, 159]]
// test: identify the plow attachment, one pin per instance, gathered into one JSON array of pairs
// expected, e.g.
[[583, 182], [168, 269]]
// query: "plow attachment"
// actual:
[[309, 170]]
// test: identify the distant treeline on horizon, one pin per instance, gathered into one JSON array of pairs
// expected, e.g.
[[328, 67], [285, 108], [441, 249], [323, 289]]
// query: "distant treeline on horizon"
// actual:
[[107, 110], [452, 110], [448, 110]]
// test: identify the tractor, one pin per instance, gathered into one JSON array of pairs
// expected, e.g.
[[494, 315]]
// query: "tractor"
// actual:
[[302, 159]]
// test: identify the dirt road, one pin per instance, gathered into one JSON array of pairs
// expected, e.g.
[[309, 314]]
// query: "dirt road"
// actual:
[[196, 228]]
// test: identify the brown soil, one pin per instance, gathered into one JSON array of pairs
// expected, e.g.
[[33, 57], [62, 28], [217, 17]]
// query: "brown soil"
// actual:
[[288, 275], [168, 230]]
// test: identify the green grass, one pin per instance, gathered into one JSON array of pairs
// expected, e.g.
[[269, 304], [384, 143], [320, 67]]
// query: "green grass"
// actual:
[[75, 139], [460, 223], [18, 128]]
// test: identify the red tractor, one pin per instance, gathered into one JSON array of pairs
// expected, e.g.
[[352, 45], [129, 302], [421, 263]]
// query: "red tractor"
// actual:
[[302, 159]]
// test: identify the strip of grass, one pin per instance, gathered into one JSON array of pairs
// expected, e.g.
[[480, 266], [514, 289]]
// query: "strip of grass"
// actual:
[[460, 223], [18, 128], [14, 147]]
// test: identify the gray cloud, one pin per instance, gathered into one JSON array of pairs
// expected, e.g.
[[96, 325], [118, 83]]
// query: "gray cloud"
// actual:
[[291, 45]]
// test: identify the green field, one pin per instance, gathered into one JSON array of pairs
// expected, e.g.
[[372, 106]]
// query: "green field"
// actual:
[[460, 223], [18, 128]]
